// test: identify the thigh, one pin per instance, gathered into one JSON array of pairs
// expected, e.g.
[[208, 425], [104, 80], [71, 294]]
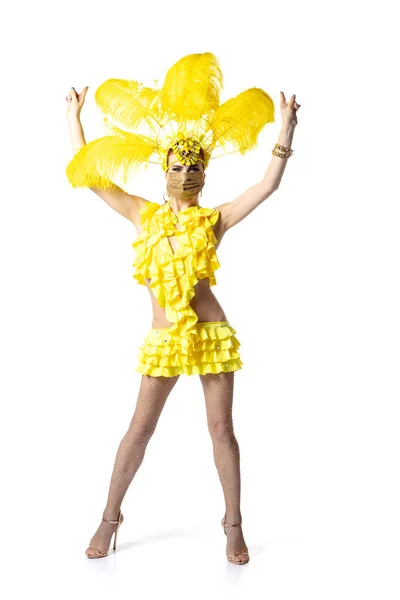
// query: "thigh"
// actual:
[[218, 394], [153, 393]]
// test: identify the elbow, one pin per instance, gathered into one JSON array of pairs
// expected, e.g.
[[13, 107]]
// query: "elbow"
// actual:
[[268, 185], [268, 190]]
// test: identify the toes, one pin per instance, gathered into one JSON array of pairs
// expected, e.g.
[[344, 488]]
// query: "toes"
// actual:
[[93, 553], [239, 558]]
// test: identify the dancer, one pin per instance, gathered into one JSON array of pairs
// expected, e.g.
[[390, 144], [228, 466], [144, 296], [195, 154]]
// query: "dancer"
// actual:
[[182, 125]]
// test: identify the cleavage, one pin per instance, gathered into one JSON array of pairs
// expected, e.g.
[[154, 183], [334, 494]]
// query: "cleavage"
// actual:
[[173, 242]]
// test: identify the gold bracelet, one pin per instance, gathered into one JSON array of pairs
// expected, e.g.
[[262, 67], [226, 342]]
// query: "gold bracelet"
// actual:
[[281, 151]]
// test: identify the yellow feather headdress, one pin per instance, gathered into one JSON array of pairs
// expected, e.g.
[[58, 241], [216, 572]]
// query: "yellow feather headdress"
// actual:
[[185, 115]]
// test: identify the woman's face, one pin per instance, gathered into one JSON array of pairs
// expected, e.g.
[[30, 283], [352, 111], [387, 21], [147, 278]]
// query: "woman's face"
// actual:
[[175, 186], [172, 158]]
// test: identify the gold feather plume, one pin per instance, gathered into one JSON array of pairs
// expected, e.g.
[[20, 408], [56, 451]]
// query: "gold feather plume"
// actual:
[[99, 162], [191, 87], [186, 107], [128, 103], [239, 120]]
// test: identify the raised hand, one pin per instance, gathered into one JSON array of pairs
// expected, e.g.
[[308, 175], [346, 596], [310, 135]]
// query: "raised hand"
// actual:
[[75, 102], [289, 109]]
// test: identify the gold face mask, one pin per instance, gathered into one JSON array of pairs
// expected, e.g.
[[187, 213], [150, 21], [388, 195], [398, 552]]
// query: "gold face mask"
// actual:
[[183, 185]]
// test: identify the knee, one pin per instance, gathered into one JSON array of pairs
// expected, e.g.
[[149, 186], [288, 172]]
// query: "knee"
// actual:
[[221, 430], [140, 433]]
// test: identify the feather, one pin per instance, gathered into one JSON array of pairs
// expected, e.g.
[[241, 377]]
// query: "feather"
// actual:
[[128, 103], [192, 86], [99, 162], [113, 129], [239, 120]]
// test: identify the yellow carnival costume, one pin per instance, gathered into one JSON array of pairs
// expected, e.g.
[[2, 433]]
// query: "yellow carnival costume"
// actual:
[[187, 346], [185, 116]]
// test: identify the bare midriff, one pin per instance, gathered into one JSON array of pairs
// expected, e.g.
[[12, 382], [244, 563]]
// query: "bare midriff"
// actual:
[[204, 304]]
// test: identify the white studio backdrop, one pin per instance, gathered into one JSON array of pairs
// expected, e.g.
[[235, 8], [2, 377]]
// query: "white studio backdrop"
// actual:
[[309, 280]]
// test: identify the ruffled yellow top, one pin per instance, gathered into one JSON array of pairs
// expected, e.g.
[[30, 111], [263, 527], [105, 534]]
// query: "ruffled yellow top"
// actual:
[[174, 274]]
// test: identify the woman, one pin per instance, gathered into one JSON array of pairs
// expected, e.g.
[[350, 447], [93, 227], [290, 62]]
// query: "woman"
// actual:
[[182, 332]]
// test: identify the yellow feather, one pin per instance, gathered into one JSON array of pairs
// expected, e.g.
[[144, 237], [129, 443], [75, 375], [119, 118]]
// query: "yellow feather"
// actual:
[[129, 103], [239, 120], [192, 86], [113, 129], [186, 105], [99, 162]]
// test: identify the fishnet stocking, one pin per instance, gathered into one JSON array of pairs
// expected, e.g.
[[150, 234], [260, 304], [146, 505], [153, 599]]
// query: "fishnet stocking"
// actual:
[[218, 393], [153, 393]]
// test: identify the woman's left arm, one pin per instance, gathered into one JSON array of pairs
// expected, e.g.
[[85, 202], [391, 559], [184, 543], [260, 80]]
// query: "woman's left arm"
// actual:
[[233, 212], [277, 166]]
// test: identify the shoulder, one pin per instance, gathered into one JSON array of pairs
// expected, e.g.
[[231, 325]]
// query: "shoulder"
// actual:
[[143, 209], [219, 217], [218, 221]]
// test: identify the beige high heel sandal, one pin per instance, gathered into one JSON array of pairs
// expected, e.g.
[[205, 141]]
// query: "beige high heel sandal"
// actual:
[[102, 554], [234, 558]]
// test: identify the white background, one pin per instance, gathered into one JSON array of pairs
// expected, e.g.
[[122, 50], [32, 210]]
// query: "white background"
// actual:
[[310, 281]]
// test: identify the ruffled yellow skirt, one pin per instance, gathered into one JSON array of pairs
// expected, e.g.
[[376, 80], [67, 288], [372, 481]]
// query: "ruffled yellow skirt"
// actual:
[[214, 350]]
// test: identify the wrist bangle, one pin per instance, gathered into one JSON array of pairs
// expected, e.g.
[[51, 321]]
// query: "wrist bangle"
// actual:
[[282, 151]]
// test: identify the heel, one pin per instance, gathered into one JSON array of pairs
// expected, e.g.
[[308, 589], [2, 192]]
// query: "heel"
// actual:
[[101, 553], [119, 521], [223, 525]]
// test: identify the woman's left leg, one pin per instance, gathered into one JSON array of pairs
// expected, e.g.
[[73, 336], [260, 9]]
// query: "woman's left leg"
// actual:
[[218, 393]]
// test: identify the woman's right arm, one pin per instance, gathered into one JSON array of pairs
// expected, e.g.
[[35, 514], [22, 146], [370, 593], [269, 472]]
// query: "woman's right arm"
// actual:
[[125, 204]]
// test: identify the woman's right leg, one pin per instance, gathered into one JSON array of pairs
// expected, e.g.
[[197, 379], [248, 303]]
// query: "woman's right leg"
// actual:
[[153, 394]]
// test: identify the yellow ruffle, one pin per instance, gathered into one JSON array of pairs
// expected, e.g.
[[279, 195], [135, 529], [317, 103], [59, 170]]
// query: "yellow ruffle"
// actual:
[[166, 354], [174, 275]]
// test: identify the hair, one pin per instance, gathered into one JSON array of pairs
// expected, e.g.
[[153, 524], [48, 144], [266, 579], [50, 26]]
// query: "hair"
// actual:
[[201, 155]]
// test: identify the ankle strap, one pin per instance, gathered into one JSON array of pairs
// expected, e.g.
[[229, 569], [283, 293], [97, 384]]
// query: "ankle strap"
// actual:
[[107, 521], [117, 521], [231, 525]]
